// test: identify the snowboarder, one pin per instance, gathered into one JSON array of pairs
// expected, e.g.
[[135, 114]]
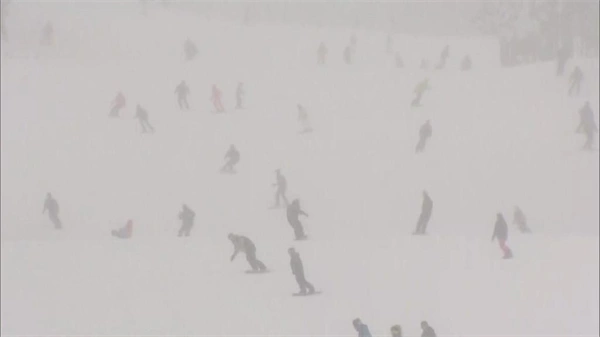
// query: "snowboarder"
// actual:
[[117, 104], [587, 125], [293, 213], [427, 330], [298, 271], [233, 157], [51, 205], [466, 63], [424, 134], [419, 90], [216, 98], [443, 57], [281, 185], [245, 245], [124, 232], [562, 55], [426, 209], [142, 115], [399, 61], [190, 50], [520, 220], [187, 221], [576, 78], [322, 53], [501, 233], [182, 90], [348, 53], [303, 119], [396, 331], [48, 34], [239, 95], [361, 328]]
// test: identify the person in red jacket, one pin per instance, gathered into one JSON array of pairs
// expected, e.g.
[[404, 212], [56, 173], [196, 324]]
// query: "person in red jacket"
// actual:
[[124, 232], [216, 98], [501, 233]]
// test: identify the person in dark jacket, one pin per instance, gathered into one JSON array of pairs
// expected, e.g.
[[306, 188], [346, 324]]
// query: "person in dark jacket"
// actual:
[[298, 271], [51, 205], [142, 115], [396, 331], [281, 184], [182, 90], [293, 213], [187, 221], [501, 233], [427, 330], [117, 104], [587, 125], [245, 245], [425, 133], [426, 209], [520, 220], [124, 232], [576, 78], [233, 157], [361, 328]]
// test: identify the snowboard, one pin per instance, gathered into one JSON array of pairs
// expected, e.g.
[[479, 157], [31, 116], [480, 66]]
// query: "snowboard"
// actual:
[[317, 292], [257, 271]]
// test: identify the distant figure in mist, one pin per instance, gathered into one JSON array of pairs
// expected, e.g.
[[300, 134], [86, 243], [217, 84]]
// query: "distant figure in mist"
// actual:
[[124, 232], [348, 54], [575, 79], [190, 50], [240, 92], [281, 184], [51, 205], [216, 98], [117, 104], [187, 221], [233, 157], [361, 328], [389, 44], [47, 35], [426, 210], [419, 90], [396, 331], [466, 63], [427, 331], [293, 213], [587, 125], [520, 220], [142, 115], [424, 64], [398, 60], [425, 133], [443, 57], [182, 90], [562, 55], [501, 233], [303, 119], [322, 53], [298, 271], [246, 246]]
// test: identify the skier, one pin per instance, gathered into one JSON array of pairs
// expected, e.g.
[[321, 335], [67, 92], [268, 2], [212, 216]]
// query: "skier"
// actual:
[[466, 63], [245, 245], [576, 78], [562, 55], [520, 220], [396, 331], [427, 330], [399, 61], [182, 90], [187, 221], [281, 184], [51, 205], [361, 328], [117, 104], [424, 134], [501, 233], [293, 213], [239, 95], [298, 271], [587, 125], [303, 119], [322, 53], [348, 53], [233, 157], [216, 98], [443, 57], [124, 232], [142, 115], [419, 90], [48, 34], [426, 209], [190, 49]]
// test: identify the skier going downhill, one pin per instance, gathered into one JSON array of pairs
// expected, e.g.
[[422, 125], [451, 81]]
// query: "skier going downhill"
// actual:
[[361, 328], [233, 157], [187, 221], [239, 95], [51, 205], [575, 79], [424, 134], [501, 233], [281, 184], [419, 90], [427, 330], [303, 119], [117, 104], [216, 98], [293, 213], [182, 90], [245, 245], [426, 209], [587, 125], [520, 220], [298, 271], [142, 115]]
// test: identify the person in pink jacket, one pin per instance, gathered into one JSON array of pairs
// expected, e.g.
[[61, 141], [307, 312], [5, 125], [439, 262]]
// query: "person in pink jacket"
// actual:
[[216, 98], [124, 232]]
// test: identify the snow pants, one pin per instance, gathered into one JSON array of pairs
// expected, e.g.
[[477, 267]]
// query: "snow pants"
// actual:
[[255, 264], [304, 284]]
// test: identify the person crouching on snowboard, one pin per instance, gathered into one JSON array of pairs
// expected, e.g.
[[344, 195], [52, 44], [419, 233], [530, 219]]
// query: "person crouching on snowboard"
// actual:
[[233, 157], [298, 271], [124, 232], [243, 244]]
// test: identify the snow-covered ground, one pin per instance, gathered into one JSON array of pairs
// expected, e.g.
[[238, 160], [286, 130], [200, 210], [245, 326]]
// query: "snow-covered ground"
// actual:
[[500, 138]]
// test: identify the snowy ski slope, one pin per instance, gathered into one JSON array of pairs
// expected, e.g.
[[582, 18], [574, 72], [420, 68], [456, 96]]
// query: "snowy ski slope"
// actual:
[[501, 137]]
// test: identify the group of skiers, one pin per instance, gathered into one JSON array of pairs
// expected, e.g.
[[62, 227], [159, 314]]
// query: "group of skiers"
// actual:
[[395, 330]]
